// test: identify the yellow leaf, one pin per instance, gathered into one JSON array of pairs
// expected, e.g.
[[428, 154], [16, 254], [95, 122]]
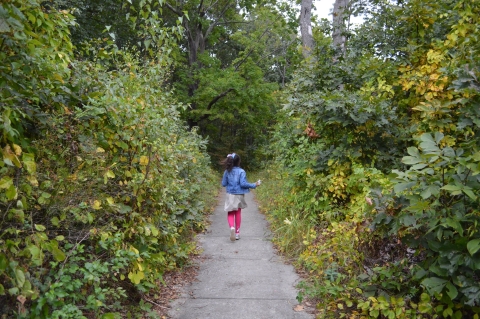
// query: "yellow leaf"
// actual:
[[100, 150], [110, 200], [135, 250], [10, 158], [32, 180], [96, 205], [122, 277], [17, 149], [194, 160], [136, 276], [144, 160]]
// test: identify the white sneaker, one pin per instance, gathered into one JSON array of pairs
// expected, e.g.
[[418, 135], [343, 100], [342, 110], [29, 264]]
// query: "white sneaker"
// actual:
[[232, 234], [237, 236]]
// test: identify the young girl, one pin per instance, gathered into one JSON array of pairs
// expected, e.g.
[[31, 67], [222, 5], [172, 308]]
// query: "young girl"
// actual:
[[235, 180]]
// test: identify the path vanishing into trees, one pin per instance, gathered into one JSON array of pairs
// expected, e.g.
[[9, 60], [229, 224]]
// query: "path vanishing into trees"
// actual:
[[244, 279]]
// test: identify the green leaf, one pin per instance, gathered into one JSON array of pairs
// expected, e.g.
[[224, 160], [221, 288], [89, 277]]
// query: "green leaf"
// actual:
[[55, 221], [434, 284], [428, 144], [29, 163], [476, 156], [426, 137], [419, 166], [418, 205], [37, 255], [2, 290], [469, 193], [4, 27], [122, 208], [449, 152], [473, 246], [438, 137], [431, 190], [408, 220], [374, 313], [6, 182], [452, 291], [413, 151], [40, 227], [410, 160], [3, 262], [11, 192], [20, 276], [109, 315], [400, 187], [452, 188], [13, 291], [455, 224], [58, 254], [447, 312], [420, 273]]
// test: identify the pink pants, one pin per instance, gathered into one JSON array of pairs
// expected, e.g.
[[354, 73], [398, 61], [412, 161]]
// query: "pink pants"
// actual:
[[235, 219]]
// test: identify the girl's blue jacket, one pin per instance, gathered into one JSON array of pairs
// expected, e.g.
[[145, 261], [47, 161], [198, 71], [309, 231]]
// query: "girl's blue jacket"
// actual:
[[236, 181]]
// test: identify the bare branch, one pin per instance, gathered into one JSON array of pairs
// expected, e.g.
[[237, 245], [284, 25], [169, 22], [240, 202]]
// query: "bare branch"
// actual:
[[178, 13], [212, 102], [215, 22], [154, 303], [251, 51], [212, 5], [218, 97], [232, 22]]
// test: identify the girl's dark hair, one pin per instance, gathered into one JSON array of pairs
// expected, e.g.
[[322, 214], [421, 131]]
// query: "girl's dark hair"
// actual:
[[230, 162]]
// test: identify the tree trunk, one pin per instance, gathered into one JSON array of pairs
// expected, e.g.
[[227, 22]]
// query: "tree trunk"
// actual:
[[338, 23], [306, 27]]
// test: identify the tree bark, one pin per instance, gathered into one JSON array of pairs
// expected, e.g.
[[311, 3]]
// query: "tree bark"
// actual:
[[338, 23], [306, 27]]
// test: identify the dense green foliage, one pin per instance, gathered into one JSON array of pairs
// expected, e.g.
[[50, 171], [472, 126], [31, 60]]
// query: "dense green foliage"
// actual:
[[234, 57], [376, 192], [230, 61], [101, 184], [373, 161]]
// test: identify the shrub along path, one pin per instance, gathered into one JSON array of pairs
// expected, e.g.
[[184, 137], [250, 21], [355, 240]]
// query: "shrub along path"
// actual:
[[244, 279]]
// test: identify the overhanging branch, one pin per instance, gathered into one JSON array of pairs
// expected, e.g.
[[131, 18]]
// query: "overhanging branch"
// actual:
[[218, 97], [178, 13]]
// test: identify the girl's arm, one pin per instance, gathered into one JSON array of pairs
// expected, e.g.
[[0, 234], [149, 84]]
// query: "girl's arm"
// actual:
[[244, 183]]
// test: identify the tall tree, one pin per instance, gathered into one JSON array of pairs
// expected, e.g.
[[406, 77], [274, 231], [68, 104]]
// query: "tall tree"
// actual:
[[306, 27], [234, 56], [340, 15]]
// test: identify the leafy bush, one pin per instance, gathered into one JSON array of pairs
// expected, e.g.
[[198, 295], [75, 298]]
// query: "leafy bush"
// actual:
[[102, 187], [380, 165]]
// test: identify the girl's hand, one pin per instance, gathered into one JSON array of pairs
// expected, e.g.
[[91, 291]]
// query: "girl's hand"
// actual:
[[258, 182]]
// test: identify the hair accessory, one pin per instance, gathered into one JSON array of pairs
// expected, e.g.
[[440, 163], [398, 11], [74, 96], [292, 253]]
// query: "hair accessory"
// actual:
[[231, 155]]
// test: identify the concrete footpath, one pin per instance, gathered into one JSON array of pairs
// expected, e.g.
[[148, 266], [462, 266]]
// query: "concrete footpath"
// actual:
[[244, 279]]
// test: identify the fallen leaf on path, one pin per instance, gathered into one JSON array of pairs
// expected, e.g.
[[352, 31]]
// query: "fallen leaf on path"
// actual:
[[298, 308]]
